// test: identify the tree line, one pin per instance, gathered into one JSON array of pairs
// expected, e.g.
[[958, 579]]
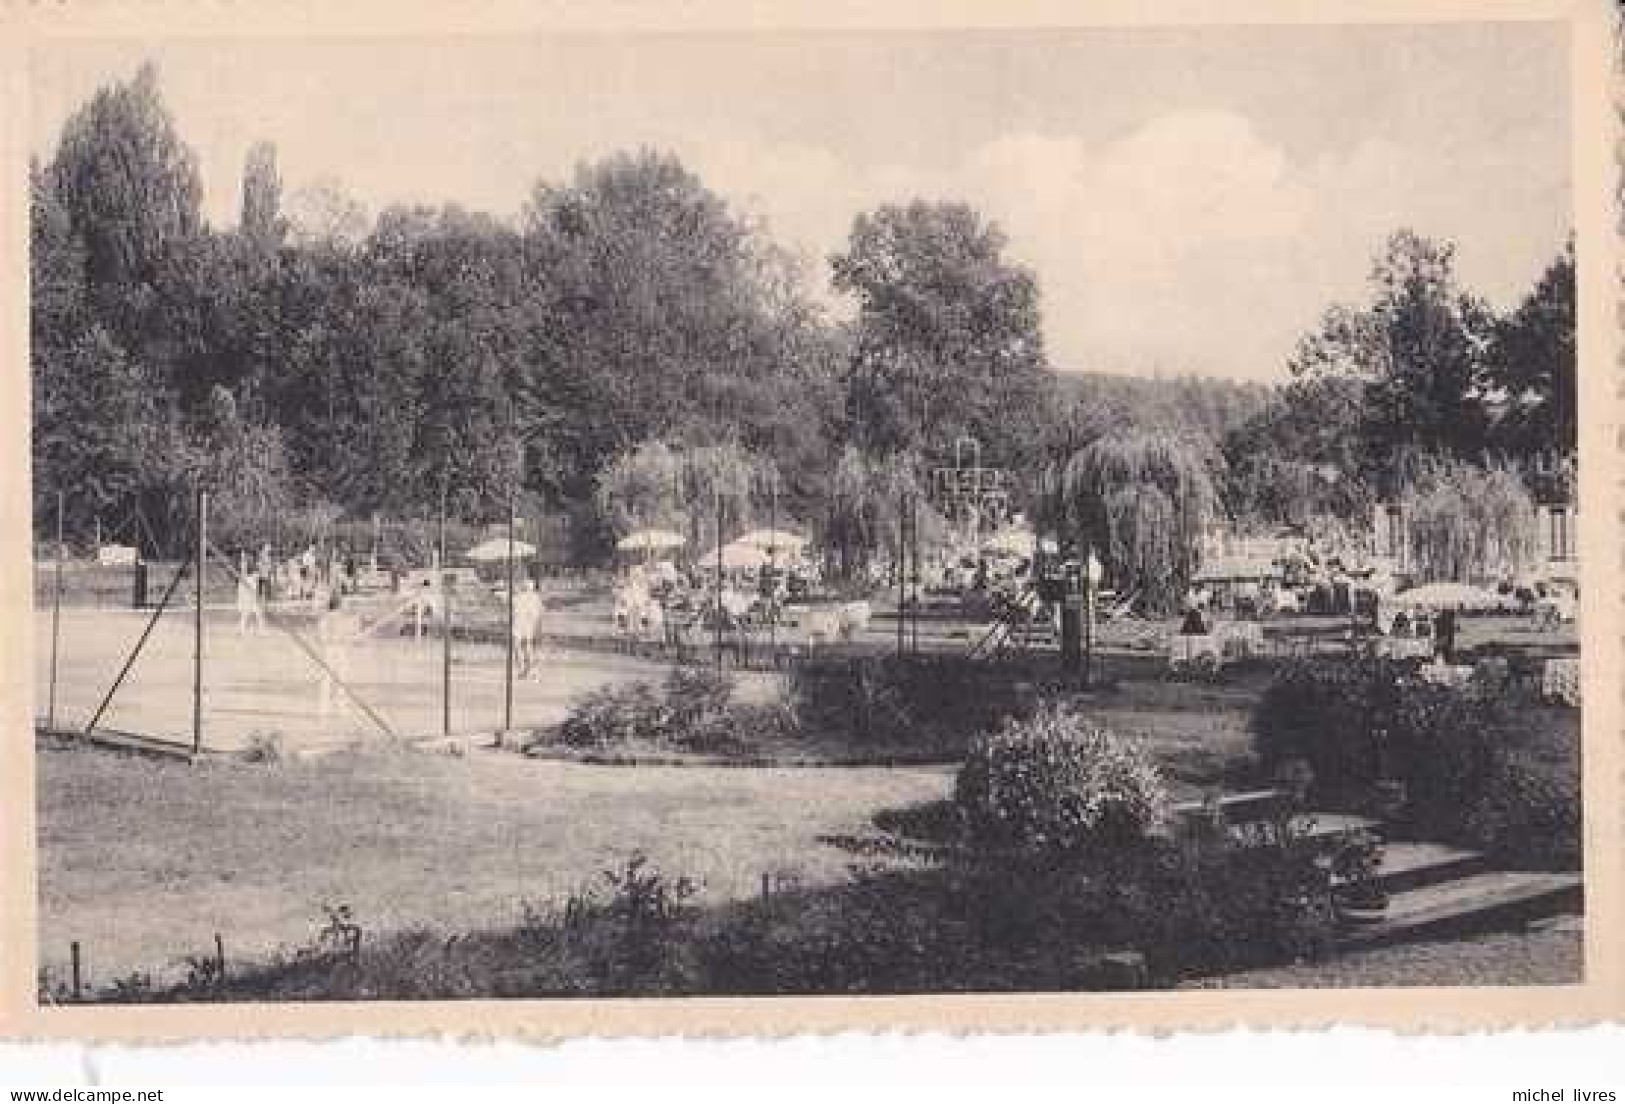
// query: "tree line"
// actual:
[[631, 347]]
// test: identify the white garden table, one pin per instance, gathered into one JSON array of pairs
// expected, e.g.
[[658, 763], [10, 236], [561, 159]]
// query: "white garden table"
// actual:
[[1560, 681]]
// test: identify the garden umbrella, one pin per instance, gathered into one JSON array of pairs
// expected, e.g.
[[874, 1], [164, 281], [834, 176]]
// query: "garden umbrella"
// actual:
[[773, 540], [650, 540], [495, 550], [735, 557], [1015, 543]]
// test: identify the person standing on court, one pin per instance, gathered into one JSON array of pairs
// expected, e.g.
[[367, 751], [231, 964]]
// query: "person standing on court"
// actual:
[[248, 602], [527, 615]]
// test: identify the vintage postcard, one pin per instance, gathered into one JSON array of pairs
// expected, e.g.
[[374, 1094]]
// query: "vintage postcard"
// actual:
[[547, 520]]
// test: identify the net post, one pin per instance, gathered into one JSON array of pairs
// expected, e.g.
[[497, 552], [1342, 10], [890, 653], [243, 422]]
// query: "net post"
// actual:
[[718, 613], [135, 652], [914, 570], [901, 567], [773, 566], [56, 616], [1088, 619], [445, 616], [199, 561], [507, 688]]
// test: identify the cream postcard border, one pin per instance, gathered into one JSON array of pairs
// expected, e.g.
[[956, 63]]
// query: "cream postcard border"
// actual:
[[1599, 213]]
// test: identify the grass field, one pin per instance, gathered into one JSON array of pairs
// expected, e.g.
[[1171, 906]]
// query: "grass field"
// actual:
[[144, 860]]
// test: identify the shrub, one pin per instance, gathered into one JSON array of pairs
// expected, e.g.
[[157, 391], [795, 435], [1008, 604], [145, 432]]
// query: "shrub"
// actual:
[[627, 931], [690, 711], [1334, 715], [264, 747], [1053, 782], [1232, 905], [615, 715], [738, 728], [694, 694], [1191, 908], [1447, 748], [1530, 816], [1356, 722], [936, 702]]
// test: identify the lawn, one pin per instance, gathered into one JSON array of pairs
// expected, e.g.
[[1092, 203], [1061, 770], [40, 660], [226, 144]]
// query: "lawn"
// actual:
[[143, 861]]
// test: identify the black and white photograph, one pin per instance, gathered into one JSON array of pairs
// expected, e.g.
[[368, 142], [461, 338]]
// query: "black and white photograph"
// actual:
[[790, 513]]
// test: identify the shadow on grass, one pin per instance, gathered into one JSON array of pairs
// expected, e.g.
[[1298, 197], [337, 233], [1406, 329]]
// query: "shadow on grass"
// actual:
[[1149, 915], [893, 931]]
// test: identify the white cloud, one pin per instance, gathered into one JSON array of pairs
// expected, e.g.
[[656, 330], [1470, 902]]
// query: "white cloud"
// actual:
[[1193, 243]]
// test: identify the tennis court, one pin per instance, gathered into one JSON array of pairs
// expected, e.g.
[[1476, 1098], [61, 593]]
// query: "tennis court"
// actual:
[[265, 684]]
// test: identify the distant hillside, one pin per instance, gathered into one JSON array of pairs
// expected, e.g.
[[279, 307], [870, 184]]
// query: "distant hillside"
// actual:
[[1183, 404]]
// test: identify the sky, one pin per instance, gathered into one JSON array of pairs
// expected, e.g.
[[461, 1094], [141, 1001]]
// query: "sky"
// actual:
[[1190, 199]]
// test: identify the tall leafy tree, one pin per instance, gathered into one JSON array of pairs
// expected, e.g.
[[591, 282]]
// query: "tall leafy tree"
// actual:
[[261, 220], [103, 434], [947, 337], [1416, 349], [1533, 367], [659, 311], [132, 190]]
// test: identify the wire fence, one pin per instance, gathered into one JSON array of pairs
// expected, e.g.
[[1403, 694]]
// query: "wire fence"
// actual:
[[391, 631], [311, 643]]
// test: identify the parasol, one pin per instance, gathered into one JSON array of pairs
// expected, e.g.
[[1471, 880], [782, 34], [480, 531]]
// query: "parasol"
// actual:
[[1018, 543], [773, 540], [1448, 596], [735, 556], [495, 550], [650, 540]]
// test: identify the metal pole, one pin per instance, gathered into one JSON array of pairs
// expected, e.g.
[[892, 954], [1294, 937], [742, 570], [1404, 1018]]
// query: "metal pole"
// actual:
[[773, 565], [199, 559], [56, 616], [717, 615], [1088, 619], [914, 570], [902, 568], [316, 658], [445, 617], [507, 699], [135, 652]]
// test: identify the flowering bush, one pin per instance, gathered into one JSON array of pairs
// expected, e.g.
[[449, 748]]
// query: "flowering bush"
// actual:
[[691, 711], [614, 715], [1054, 782]]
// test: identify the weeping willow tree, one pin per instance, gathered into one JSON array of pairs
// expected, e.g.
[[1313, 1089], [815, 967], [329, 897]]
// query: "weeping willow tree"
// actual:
[[642, 489], [1142, 499], [864, 516], [1143, 541], [719, 486], [1464, 522], [659, 486]]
